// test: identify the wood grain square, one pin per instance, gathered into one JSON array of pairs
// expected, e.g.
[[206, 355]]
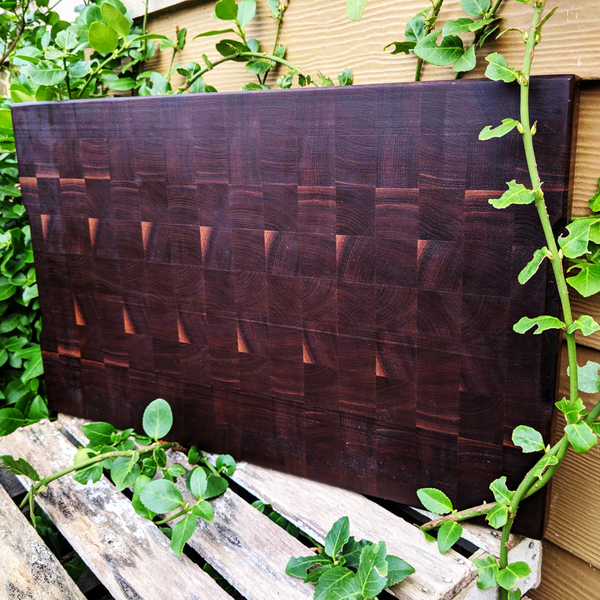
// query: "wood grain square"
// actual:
[[313, 277]]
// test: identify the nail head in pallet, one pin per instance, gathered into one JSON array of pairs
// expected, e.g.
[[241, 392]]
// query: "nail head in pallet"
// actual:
[[303, 273], [129, 554]]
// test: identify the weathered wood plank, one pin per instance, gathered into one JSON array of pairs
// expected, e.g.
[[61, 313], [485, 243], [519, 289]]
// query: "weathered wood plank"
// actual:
[[27, 567], [566, 577], [321, 38], [314, 507], [242, 544], [129, 554]]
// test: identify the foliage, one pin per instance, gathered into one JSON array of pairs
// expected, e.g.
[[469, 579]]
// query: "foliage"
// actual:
[[132, 461], [420, 34], [349, 568], [581, 245], [22, 395]]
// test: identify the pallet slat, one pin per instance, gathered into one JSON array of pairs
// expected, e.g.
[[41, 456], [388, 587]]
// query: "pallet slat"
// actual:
[[128, 554], [29, 570], [243, 545], [314, 507]]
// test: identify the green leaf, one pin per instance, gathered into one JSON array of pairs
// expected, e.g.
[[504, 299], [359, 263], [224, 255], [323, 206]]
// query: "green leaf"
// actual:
[[67, 40], [589, 378], [594, 201], [398, 570], [115, 19], [576, 242], [99, 433], [498, 516], [338, 535], [585, 324], [456, 27], [246, 12], [215, 486], [581, 436], [487, 568], [448, 534], [372, 570], [176, 470], [194, 455], [354, 9], [161, 496], [102, 38], [516, 594], [587, 281], [531, 268], [203, 510], [498, 69], [226, 10], [92, 473], [544, 463], [466, 62], [435, 501], [331, 580], [257, 67], [480, 24], [46, 73], [487, 133], [501, 492], [125, 471], [517, 193], [19, 466], [226, 464], [33, 368], [542, 324], [571, 409], [528, 439], [348, 590], [158, 419], [415, 29], [448, 52], [214, 32], [352, 550], [507, 578], [182, 532], [10, 420], [298, 566], [401, 47], [274, 6], [196, 482], [475, 8]]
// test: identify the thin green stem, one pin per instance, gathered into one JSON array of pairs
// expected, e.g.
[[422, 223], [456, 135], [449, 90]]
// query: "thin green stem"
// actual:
[[209, 464], [67, 81], [276, 42], [145, 29], [504, 552], [183, 511], [429, 27], [461, 515], [225, 59], [169, 72]]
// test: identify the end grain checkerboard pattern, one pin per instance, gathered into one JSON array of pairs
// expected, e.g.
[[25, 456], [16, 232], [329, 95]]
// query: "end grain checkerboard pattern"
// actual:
[[314, 279]]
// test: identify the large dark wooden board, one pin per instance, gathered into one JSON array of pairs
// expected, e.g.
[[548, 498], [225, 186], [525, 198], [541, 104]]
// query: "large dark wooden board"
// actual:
[[314, 279]]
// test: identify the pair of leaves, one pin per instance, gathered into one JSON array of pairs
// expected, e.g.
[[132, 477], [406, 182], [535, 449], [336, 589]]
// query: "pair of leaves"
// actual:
[[104, 36], [437, 502], [490, 574], [498, 516]]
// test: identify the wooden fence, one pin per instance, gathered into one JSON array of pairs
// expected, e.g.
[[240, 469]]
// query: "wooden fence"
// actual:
[[319, 37]]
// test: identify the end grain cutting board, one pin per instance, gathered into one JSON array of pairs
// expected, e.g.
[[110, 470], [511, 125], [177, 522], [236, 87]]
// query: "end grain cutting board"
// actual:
[[314, 279]]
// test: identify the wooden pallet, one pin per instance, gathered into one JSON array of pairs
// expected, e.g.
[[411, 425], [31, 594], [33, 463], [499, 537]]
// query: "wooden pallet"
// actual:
[[131, 557]]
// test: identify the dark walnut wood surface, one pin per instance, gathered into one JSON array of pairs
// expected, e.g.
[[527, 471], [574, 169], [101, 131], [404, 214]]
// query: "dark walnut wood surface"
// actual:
[[314, 279]]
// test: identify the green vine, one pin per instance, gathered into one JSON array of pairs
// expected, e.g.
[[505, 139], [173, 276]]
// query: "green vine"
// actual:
[[132, 461]]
